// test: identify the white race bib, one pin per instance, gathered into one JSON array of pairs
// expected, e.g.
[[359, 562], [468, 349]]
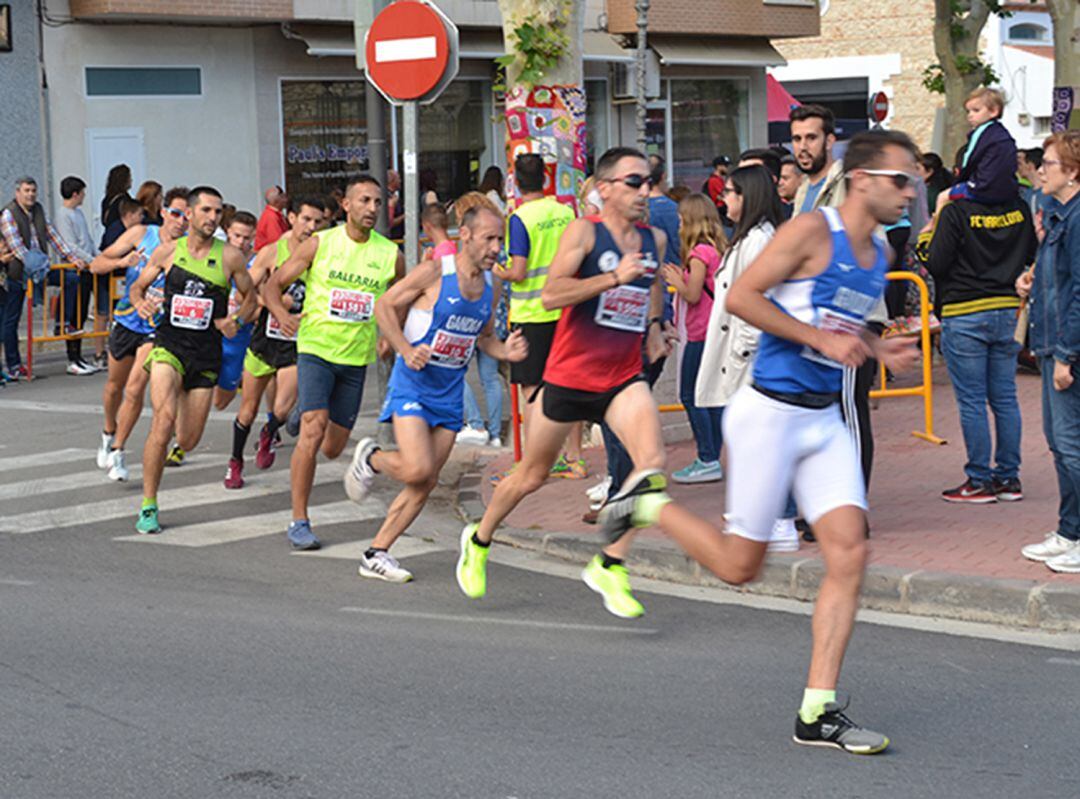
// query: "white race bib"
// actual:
[[347, 305], [832, 322], [273, 329], [623, 308], [191, 313], [451, 350]]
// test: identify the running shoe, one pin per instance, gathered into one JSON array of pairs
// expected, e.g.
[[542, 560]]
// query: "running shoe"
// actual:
[[495, 442], [118, 471], [784, 537], [598, 493], [148, 521], [292, 423], [471, 569], [699, 472], [79, 369], [103, 451], [498, 477], [176, 456], [570, 470], [20, 372], [1007, 490], [617, 516], [383, 566], [264, 449], [101, 362], [971, 493], [359, 476], [234, 475], [301, 537], [613, 584], [1066, 563], [1050, 547], [835, 729], [472, 436]]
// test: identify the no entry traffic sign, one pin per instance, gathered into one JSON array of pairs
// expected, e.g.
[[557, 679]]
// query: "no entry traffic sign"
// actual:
[[410, 51], [878, 107]]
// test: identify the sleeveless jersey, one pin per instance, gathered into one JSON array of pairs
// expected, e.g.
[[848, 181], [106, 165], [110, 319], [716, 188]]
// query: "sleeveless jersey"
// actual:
[[196, 294], [450, 328], [125, 312], [267, 340], [342, 284], [597, 344], [837, 300]]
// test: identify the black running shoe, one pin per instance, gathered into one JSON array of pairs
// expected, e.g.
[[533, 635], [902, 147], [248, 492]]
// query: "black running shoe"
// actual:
[[616, 517], [835, 729], [1007, 490]]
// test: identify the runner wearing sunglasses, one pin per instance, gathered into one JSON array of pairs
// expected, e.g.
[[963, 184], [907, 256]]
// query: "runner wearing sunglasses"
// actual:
[[809, 292]]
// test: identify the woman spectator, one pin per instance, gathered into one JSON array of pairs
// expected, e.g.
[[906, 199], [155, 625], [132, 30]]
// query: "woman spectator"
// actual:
[[932, 170], [1053, 289], [150, 198], [117, 186], [492, 188]]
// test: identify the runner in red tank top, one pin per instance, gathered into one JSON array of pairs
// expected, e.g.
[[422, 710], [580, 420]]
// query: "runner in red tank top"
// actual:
[[604, 276]]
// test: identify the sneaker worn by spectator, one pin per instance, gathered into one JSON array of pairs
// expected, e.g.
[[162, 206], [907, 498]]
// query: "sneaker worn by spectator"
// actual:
[[1054, 545], [785, 538], [1007, 490], [80, 369], [970, 492], [699, 472], [1066, 563], [472, 436]]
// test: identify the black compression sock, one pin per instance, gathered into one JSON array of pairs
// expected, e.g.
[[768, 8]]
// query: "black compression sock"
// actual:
[[370, 553], [273, 425], [480, 543], [610, 561], [239, 440]]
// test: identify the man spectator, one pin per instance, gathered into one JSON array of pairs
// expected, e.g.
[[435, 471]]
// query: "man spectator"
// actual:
[[72, 226], [790, 181], [762, 156], [1028, 163], [28, 235], [976, 254], [813, 134], [395, 210], [272, 224], [714, 186]]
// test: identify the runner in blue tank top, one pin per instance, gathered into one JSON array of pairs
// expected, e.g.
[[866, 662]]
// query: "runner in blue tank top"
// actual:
[[132, 337], [449, 304], [240, 234], [809, 292]]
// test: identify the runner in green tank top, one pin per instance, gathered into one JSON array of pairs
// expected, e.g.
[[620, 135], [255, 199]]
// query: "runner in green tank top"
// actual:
[[187, 351], [271, 354], [345, 269]]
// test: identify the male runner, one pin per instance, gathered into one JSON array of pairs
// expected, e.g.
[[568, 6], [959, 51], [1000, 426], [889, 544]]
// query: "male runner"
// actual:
[[810, 291], [186, 356], [603, 274], [132, 337], [347, 269], [240, 234], [272, 353], [447, 306]]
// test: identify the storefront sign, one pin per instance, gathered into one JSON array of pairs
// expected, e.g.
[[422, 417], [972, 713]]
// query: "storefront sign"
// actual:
[[324, 135]]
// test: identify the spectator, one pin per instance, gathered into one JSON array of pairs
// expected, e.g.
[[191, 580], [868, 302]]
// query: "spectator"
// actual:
[[714, 186], [335, 207], [1029, 163], [28, 234], [272, 224], [935, 176], [763, 156], [1054, 288], [228, 213], [6, 256], [435, 224], [976, 254], [72, 227], [790, 181], [117, 186], [988, 166], [813, 134], [678, 193], [149, 196], [395, 210], [429, 188], [589, 202], [492, 186]]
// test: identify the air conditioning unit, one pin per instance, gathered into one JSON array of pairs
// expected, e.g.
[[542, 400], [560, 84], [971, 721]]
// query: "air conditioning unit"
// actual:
[[624, 82]]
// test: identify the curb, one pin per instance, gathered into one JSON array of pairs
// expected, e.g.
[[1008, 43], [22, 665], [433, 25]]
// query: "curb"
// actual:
[[1026, 604]]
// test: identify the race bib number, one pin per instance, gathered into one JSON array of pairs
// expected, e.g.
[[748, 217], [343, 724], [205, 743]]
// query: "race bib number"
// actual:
[[832, 322], [347, 305], [623, 308], [156, 296], [451, 350], [234, 302], [273, 329], [191, 313]]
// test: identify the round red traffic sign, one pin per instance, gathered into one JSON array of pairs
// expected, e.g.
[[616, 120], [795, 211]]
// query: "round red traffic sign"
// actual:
[[407, 50], [879, 106]]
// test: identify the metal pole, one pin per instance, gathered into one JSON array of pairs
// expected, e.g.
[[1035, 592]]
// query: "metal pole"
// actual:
[[375, 114], [642, 7], [410, 136]]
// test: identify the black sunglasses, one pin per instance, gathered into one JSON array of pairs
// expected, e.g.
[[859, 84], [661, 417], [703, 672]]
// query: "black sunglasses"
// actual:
[[634, 182]]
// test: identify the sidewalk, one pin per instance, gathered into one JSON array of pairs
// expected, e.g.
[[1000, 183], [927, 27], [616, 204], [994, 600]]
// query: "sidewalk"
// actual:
[[928, 557]]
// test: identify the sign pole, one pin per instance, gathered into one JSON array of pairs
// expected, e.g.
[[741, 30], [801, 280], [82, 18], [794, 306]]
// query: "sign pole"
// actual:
[[410, 137], [374, 107]]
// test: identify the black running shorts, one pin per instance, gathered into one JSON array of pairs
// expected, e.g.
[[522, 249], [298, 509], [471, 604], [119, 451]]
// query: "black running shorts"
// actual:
[[571, 405]]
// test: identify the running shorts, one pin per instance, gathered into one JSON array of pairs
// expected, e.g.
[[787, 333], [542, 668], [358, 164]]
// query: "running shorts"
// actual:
[[232, 358], [400, 404], [338, 388], [124, 342], [573, 405], [539, 336], [256, 366], [191, 378]]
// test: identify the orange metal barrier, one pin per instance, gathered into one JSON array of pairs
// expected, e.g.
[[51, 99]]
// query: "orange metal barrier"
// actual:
[[45, 335]]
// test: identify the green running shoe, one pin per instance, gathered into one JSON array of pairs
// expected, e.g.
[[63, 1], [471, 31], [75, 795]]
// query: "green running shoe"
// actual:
[[472, 565], [175, 456], [613, 584], [148, 523]]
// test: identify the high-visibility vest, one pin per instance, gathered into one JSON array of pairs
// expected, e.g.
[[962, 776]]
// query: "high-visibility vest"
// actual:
[[545, 220]]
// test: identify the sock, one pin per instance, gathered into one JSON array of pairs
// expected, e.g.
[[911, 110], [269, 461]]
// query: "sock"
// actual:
[[272, 425], [107, 433], [647, 508], [370, 553], [609, 561], [239, 440], [480, 543], [149, 502], [813, 704], [114, 448], [370, 466]]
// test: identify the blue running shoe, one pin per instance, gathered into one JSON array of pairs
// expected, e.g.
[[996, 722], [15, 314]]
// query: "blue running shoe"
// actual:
[[301, 537]]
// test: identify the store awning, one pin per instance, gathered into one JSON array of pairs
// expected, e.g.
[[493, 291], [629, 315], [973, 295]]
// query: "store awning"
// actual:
[[715, 52], [328, 41], [778, 100]]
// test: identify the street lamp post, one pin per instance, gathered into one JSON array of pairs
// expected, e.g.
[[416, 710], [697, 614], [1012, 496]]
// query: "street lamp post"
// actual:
[[642, 7]]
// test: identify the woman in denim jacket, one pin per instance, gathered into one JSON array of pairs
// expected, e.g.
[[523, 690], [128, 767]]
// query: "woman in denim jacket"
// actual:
[[1053, 293]]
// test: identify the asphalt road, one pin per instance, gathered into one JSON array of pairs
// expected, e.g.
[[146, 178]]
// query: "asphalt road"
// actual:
[[230, 667]]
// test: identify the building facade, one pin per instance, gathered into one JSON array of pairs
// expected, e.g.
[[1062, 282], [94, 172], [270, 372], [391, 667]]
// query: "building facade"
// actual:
[[22, 124]]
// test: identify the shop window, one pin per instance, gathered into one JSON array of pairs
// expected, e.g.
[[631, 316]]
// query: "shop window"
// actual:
[[143, 81], [454, 138], [324, 135], [708, 118]]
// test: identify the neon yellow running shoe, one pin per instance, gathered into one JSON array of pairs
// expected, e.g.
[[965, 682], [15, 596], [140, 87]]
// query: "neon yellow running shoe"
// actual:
[[613, 584], [472, 564], [175, 456]]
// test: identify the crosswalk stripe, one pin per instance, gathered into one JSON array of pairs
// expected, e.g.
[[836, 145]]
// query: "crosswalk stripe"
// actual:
[[404, 547], [227, 531], [45, 458], [93, 478], [259, 485]]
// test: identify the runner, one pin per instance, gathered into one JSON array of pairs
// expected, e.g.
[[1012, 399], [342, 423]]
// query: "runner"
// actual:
[[132, 337], [810, 292], [447, 304], [241, 234], [186, 356], [603, 274], [271, 353], [347, 269]]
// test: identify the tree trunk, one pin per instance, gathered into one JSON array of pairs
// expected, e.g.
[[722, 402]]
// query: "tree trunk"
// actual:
[[958, 84], [1066, 64]]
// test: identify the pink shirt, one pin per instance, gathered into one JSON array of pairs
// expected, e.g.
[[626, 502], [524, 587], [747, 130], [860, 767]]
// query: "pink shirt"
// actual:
[[448, 247], [697, 315]]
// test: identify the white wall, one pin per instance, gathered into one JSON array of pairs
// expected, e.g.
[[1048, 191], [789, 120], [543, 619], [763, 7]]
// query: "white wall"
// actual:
[[1027, 78]]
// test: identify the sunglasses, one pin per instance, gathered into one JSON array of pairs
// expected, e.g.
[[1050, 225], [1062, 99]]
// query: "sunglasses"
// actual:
[[634, 182], [899, 179], [175, 213]]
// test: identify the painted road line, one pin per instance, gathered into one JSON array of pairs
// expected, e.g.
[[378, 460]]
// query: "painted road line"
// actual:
[[94, 478], [540, 625], [21, 583], [404, 547], [45, 458]]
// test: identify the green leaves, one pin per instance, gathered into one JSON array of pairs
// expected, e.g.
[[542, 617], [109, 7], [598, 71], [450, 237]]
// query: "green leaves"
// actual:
[[538, 46]]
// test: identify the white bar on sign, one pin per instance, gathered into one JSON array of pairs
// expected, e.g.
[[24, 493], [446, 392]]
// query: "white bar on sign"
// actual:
[[418, 49]]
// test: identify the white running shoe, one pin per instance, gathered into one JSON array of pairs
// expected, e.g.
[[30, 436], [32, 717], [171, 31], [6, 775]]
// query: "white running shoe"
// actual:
[[383, 566], [118, 472], [103, 451], [495, 443], [1068, 563], [472, 436], [79, 369], [360, 475], [784, 538], [1050, 547], [599, 492]]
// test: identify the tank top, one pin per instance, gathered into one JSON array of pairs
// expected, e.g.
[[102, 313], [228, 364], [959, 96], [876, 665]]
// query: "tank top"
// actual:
[[597, 344], [450, 328], [125, 312], [196, 294], [342, 284], [267, 339], [837, 300]]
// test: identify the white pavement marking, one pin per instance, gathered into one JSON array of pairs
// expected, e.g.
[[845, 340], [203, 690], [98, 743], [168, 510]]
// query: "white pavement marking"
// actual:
[[420, 48], [259, 485], [404, 547], [5, 581], [1064, 661], [241, 528], [542, 625], [45, 458], [51, 407], [89, 479]]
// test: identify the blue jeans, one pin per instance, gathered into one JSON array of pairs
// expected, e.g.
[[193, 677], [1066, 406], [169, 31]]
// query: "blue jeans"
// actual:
[[980, 353], [704, 422], [10, 314], [1061, 424], [493, 396], [619, 465]]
